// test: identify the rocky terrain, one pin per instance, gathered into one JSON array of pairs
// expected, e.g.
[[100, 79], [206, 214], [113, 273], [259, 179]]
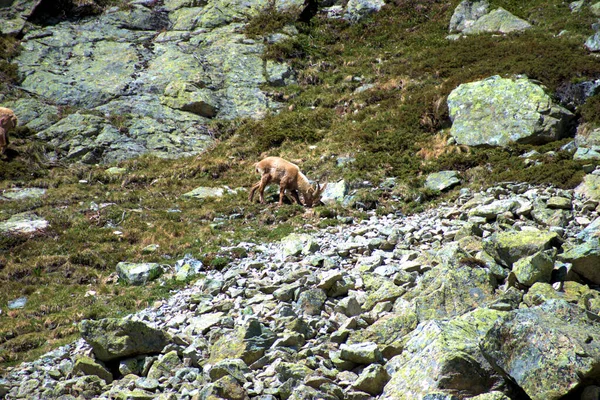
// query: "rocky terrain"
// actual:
[[491, 296]]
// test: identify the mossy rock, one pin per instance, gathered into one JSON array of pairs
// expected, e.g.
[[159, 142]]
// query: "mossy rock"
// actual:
[[508, 247], [479, 113], [113, 338]]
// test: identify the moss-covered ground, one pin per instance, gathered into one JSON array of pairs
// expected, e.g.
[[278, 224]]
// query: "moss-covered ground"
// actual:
[[97, 219]]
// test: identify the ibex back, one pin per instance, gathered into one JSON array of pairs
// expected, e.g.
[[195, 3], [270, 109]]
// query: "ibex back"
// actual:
[[289, 177]]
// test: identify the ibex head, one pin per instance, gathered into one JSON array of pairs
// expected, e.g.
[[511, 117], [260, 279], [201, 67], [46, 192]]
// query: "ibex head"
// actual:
[[312, 197]]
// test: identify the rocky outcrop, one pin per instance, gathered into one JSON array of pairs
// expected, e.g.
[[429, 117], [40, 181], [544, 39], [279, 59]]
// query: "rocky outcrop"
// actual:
[[144, 79], [14, 15], [473, 17], [466, 13], [521, 343], [499, 111]]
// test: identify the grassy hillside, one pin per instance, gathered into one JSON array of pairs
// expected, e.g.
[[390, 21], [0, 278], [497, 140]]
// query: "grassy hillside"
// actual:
[[402, 52]]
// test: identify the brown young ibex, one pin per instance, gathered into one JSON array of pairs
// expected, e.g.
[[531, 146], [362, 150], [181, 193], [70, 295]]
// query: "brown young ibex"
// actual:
[[289, 177], [8, 121]]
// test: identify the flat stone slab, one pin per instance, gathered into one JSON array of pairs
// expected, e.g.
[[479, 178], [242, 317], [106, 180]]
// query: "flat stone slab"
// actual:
[[23, 224], [205, 192], [22, 193], [442, 180]]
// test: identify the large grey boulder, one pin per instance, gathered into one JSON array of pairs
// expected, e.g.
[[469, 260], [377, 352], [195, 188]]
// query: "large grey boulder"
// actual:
[[444, 357], [113, 338], [498, 20], [592, 43], [447, 291], [548, 350], [508, 247], [442, 180], [498, 111], [358, 9], [466, 13], [585, 259], [335, 192], [138, 273], [474, 17]]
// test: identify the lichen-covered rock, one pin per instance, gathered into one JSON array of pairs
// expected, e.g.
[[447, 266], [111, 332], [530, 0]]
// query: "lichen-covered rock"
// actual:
[[294, 244], [539, 293], [590, 187], [335, 192], [442, 180], [386, 330], [560, 203], [585, 258], [87, 366], [247, 342], [165, 366], [22, 193], [186, 97], [498, 20], [547, 216], [14, 14], [508, 247], [138, 273], [444, 356], [205, 192], [447, 291], [466, 13], [26, 223], [547, 350], [499, 111], [225, 388], [372, 380], [492, 210], [112, 338], [386, 291], [157, 75], [361, 353], [532, 269], [593, 42], [234, 366], [311, 301], [358, 9]]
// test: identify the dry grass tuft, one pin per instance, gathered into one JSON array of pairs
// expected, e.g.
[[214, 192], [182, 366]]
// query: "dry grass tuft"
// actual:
[[438, 145]]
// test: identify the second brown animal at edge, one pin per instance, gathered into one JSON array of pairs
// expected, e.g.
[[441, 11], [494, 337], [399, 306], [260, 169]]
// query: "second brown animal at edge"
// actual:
[[8, 121], [289, 178]]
